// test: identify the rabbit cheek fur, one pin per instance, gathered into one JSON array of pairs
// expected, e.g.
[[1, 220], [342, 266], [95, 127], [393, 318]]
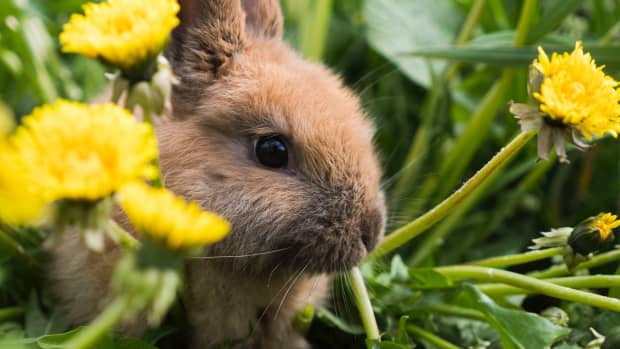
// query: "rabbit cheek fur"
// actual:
[[321, 213]]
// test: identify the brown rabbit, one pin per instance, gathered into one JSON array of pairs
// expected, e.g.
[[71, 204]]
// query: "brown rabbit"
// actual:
[[279, 147]]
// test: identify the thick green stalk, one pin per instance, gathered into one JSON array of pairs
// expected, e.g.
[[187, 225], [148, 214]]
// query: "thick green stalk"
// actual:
[[415, 228], [463, 272], [363, 304], [575, 282], [559, 270], [98, 328], [439, 343], [515, 259]]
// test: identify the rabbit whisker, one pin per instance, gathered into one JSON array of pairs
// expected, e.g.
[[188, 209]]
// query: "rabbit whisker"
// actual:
[[244, 255], [289, 289]]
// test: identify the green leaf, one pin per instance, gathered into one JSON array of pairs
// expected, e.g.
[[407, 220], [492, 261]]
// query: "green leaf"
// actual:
[[333, 320], [553, 12], [35, 320], [427, 278], [397, 26], [399, 270], [57, 341], [517, 329], [513, 56], [402, 337]]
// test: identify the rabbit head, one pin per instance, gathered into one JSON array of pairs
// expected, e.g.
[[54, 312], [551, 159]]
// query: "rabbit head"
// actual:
[[272, 142]]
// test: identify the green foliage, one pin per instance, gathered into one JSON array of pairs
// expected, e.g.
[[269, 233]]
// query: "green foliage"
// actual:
[[440, 107]]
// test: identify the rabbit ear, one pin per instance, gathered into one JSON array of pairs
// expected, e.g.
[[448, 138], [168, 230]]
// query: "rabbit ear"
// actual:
[[210, 32], [263, 18]]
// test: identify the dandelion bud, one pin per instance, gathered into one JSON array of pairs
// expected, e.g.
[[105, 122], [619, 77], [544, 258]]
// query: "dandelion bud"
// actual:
[[593, 233]]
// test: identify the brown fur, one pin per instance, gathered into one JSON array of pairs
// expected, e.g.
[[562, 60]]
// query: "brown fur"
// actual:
[[322, 213]]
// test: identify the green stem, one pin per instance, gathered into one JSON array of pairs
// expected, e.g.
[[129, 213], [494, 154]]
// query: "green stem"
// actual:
[[470, 22], [431, 338], [466, 30], [454, 310], [560, 270], [525, 19], [313, 29], [363, 304], [121, 236], [515, 259], [437, 236], [462, 272], [11, 313], [415, 228], [103, 323], [575, 282]]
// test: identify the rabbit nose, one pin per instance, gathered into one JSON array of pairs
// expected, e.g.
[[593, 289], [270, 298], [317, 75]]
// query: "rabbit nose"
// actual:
[[372, 228]]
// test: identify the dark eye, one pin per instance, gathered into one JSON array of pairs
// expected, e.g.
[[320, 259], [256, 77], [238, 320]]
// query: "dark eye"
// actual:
[[271, 151]]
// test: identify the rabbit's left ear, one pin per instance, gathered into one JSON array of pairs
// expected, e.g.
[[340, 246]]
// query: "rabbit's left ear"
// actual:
[[210, 33], [263, 18]]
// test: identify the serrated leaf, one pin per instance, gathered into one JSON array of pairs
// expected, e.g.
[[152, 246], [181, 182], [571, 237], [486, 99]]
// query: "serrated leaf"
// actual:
[[517, 329], [396, 26]]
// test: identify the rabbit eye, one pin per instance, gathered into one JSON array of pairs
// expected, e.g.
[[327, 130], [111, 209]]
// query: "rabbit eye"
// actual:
[[271, 151]]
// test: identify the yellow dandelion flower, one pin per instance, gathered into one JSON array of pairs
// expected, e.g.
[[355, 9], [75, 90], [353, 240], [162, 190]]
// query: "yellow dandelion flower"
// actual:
[[575, 99], [85, 153], [605, 223], [20, 203], [124, 33], [160, 215], [576, 93]]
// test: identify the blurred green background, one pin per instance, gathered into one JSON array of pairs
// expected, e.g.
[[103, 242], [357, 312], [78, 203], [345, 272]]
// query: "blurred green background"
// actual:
[[423, 80]]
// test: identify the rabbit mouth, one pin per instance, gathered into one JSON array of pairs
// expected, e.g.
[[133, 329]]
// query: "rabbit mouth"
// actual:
[[324, 256]]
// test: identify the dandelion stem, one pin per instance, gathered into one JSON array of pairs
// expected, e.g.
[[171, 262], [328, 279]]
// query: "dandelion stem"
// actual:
[[516, 259], [363, 304], [454, 310], [590, 281], [431, 338], [463, 272], [103, 323], [559, 270], [419, 225]]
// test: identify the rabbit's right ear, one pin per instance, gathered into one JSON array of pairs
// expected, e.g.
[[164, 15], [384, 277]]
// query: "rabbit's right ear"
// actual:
[[209, 34]]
